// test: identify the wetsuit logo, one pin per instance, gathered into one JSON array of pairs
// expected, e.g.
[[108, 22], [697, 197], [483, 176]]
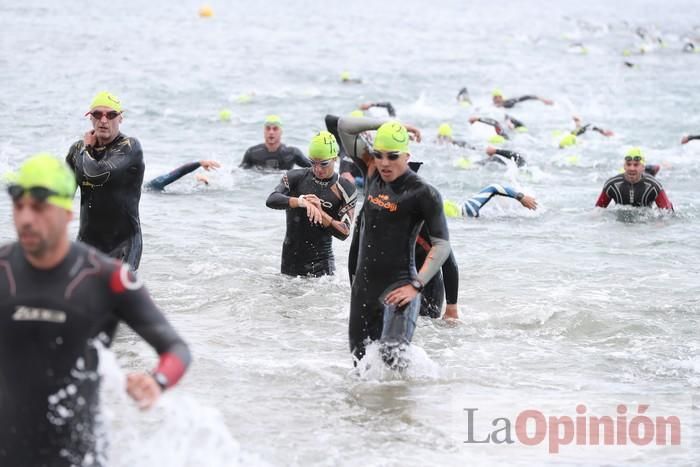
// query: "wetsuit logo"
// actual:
[[25, 313], [383, 201]]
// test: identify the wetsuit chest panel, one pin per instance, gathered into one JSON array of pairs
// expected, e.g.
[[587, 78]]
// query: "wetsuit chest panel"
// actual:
[[642, 193], [282, 159]]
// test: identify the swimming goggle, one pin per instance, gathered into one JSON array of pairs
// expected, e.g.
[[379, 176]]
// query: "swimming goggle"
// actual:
[[97, 114], [324, 163], [634, 158], [391, 155], [39, 193]]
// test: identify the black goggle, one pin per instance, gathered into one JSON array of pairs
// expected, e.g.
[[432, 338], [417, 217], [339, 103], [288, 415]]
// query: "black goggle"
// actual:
[[39, 193], [634, 158], [325, 163], [391, 155], [97, 114]]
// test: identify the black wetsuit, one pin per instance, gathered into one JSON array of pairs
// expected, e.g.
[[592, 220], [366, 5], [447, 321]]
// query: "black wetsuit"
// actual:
[[510, 103], [283, 159], [496, 126], [643, 193], [392, 215], [582, 129], [346, 164], [443, 285], [159, 183], [51, 321], [110, 179], [307, 248], [692, 137]]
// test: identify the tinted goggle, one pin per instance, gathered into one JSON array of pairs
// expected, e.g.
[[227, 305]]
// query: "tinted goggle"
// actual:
[[39, 193], [324, 163], [98, 114], [391, 155], [634, 158]]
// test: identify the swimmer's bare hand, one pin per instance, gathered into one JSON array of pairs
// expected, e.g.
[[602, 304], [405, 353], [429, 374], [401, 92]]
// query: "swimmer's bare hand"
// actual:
[[401, 296], [490, 150], [314, 214], [413, 132], [313, 199], [473, 120], [608, 133], [685, 139], [451, 312], [209, 165], [201, 178], [89, 138], [529, 202], [143, 389], [365, 106], [547, 101]]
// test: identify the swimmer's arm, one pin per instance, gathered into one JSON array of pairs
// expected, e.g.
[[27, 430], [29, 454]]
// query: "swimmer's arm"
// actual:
[[281, 198], [386, 105], [162, 181], [349, 129], [652, 169], [450, 276], [246, 163], [300, 159], [663, 202], [354, 250], [581, 130], [132, 161], [603, 200], [685, 139], [136, 308], [514, 156], [340, 226], [434, 217]]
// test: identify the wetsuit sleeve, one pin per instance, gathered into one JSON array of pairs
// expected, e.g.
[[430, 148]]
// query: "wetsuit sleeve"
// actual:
[[348, 195], [490, 121], [279, 199], [162, 181], [514, 156], [386, 105], [300, 159], [603, 199], [511, 102], [581, 130], [450, 276], [652, 169], [354, 249], [349, 129], [246, 163], [692, 137], [332, 127], [430, 205], [663, 202], [72, 154], [136, 308]]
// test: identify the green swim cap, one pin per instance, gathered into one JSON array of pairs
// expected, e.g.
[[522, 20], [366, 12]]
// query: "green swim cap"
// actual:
[[573, 160], [521, 129], [445, 130], [225, 115], [451, 208], [463, 163], [497, 139], [345, 76], [105, 99], [357, 113], [323, 146], [496, 93], [635, 152], [391, 136], [567, 140], [273, 120], [46, 171]]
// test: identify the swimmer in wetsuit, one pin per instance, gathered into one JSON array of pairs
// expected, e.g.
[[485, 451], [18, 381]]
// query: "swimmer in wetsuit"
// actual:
[[634, 187], [272, 154], [159, 183], [59, 300], [108, 167], [385, 297], [473, 205], [504, 153], [499, 101], [688, 138], [444, 136], [319, 206], [463, 97]]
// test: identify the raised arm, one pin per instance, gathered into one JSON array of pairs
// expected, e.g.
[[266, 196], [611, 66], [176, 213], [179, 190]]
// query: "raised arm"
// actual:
[[160, 182]]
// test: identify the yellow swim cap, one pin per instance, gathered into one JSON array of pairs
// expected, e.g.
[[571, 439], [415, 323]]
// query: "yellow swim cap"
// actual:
[[521, 129], [451, 208], [496, 93], [323, 146], [463, 163], [567, 140], [445, 130], [345, 76], [391, 136], [105, 99], [273, 120], [635, 154], [206, 11], [357, 113], [225, 115], [43, 170], [497, 139]]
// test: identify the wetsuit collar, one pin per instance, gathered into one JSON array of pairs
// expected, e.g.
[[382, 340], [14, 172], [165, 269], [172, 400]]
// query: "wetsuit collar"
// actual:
[[325, 182]]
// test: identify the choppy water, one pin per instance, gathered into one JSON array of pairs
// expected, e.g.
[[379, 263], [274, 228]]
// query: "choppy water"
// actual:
[[563, 306]]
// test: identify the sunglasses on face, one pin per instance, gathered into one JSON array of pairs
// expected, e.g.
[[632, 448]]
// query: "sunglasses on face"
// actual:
[[391, 155], [325, 163], [111, 115], [39, 193], [634, 158]]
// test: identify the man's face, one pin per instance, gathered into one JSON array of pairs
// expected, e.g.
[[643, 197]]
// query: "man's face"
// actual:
[[634, 168], [40, 226], [323, 169], [106, 129], [273, 134], [498, 101], [390, 164]]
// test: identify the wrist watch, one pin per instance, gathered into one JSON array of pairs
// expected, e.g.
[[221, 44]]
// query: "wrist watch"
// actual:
[[161, 379], [520, 196], [418, 285]]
